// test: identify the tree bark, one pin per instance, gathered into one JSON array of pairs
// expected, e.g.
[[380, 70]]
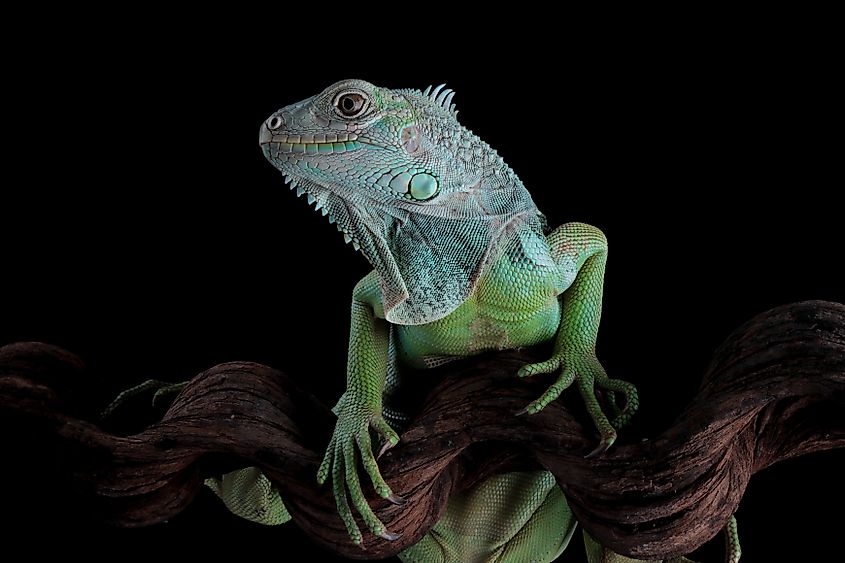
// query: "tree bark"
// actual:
[[775, 390]]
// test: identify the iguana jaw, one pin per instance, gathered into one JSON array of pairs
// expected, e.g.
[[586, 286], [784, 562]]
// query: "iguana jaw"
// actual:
[[309, 144]]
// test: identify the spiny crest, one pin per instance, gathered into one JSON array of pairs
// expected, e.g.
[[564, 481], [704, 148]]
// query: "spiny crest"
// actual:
[[294, 184], [442, 97]]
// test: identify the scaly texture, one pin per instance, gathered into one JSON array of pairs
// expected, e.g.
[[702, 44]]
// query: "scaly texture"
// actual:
[[462, 266], [249, 494], [501, 519]]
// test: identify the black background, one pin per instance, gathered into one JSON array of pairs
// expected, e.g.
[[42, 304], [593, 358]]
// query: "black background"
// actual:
[[142, 228]]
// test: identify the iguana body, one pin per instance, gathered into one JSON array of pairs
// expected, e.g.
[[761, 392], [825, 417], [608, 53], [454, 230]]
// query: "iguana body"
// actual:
[[462, 264]]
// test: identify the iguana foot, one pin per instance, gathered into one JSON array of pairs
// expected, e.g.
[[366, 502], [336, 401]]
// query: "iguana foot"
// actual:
[[585, 369], [162, 388], [351, 440]]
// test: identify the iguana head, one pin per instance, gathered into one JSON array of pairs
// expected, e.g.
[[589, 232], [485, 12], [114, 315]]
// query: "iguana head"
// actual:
[[422, 197]]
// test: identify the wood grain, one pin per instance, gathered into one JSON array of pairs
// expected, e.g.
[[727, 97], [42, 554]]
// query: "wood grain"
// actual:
[[775, 390]]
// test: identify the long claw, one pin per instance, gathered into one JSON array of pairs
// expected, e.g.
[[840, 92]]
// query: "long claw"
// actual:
[[397, 500], [531, 408], [389, 536], [386, 433], [384, 447], [600, 449]]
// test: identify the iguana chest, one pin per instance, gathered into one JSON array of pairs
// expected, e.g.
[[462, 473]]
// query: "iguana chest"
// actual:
[[514, 304]]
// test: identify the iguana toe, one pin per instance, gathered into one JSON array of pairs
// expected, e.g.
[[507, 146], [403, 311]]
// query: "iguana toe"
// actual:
[[603, 446]]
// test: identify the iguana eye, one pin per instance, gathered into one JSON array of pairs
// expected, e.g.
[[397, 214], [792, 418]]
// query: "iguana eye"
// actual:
[[351, 104]]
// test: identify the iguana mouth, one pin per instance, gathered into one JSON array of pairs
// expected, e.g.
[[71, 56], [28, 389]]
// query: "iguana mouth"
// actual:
[[313, 144]]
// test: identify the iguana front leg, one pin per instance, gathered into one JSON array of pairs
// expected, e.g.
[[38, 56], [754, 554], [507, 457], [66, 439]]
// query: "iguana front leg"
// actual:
[[359, 409], [574, 357]]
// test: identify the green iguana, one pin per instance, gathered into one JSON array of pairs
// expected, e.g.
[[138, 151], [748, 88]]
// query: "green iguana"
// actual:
[[463, 263]]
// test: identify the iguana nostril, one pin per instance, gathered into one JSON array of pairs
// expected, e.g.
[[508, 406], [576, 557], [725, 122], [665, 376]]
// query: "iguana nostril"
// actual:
[[274, 122]]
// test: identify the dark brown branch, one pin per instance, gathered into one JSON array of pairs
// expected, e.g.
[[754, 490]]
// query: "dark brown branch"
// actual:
[[775, 390]]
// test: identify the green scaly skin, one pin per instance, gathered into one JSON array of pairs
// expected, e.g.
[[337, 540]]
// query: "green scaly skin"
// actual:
[[462, 264]]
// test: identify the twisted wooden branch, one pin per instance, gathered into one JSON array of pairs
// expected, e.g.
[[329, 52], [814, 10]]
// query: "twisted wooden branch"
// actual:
[[775, 390]]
